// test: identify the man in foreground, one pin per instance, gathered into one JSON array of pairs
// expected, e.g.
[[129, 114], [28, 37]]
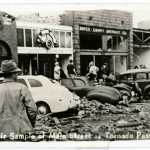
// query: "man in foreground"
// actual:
[[17, 108]]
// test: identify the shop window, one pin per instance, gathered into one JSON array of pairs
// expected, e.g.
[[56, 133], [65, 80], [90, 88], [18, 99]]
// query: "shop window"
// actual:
[[35, 33], [109, 42], [28, 37], [125, 43], [120, 43], [116, 43], [20, 37], [62, 39], [56, 35], [90, 41], [68, 39]]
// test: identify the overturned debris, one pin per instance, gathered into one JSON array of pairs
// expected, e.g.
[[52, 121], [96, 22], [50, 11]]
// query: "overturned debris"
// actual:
[[95, 121]]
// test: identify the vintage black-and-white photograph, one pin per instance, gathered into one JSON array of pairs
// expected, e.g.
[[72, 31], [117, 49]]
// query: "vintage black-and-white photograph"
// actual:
[[74, 72]]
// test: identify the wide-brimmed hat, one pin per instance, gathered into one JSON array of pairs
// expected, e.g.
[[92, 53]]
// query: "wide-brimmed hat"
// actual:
[[9, 66]]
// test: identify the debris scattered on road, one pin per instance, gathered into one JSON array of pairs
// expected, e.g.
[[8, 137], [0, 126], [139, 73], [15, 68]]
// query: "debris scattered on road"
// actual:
[[95, 121]]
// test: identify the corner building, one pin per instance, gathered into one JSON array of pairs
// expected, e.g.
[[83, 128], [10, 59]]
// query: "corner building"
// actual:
[[101, 36]]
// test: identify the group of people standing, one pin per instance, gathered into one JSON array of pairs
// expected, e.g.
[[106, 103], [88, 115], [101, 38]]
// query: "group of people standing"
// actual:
[[59, 73], [93, 71]]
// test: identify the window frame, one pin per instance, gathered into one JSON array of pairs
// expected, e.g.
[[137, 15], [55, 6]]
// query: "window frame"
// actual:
[[53, 31]]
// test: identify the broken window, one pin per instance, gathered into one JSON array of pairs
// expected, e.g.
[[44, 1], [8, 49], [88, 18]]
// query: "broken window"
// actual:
[[90, 41], [116, 42]]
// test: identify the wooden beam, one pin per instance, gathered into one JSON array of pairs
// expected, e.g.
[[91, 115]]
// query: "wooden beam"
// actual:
[[137, 37]]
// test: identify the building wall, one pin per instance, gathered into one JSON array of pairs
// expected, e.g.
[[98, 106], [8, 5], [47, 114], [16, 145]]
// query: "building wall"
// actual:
[[9, 36], [100, 18]]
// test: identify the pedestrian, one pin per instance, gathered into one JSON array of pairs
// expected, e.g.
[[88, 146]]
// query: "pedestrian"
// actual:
[[17, 108], [71, 69], [104, 71], [92, 75], [57, 71]]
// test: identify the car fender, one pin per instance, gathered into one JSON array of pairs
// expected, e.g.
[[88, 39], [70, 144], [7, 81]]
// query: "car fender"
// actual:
[[103, 97], [122, 86]]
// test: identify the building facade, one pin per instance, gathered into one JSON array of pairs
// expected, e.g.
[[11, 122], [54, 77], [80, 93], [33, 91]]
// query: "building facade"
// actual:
[[101, 36], [8, 37], [40, 45]]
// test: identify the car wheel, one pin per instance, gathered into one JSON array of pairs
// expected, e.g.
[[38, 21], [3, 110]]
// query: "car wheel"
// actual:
[[43, 108], [147, 94]]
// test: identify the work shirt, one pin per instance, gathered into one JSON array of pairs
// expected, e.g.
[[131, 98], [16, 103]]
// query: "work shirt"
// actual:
[[94, 70], [57, 72], [17, 108]]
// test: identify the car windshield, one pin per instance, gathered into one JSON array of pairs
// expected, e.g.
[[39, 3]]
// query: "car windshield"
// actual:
[[79, 83], [126, 77]]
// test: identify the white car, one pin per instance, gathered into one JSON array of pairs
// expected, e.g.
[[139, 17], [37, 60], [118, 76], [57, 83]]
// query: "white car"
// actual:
[[48, 96]]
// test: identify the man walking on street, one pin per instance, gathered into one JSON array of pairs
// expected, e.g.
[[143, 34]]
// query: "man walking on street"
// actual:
[[92, 75], [17, 108], [71, 70]]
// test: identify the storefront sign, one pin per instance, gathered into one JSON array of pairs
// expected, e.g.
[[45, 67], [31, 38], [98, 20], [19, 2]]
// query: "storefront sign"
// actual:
[[103, 30], [46, 39]]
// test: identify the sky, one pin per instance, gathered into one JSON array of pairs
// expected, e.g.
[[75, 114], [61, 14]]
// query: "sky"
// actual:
[[140, 11]]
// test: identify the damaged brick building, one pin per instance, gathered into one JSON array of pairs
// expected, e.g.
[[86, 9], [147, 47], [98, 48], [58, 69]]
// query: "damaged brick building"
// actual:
[[101, 36]]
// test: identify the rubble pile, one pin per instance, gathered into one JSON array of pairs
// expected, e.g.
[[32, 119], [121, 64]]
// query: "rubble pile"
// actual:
[[96, 121]]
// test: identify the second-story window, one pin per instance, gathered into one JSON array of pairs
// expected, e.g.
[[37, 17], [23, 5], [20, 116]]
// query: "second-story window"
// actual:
[[20, 37], [62, 39], [35, 33], [28, 37], [68, 39]]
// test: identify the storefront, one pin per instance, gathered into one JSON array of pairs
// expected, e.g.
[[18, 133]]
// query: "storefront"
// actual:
[[41, 45], [101, 36], [103, 45]]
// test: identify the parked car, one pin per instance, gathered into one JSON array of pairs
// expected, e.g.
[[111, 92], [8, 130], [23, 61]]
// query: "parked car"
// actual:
[[124, 89], [83, 87], [48, 96], [138, 79]]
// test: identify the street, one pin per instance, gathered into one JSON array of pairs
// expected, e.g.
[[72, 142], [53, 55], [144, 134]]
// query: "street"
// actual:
[[95, 122]]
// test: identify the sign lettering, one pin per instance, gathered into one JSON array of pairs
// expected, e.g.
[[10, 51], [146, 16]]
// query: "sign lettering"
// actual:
[[103, 30]]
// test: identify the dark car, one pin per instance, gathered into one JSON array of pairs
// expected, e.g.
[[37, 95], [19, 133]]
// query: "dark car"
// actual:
[[138, 79], [83, 87]]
